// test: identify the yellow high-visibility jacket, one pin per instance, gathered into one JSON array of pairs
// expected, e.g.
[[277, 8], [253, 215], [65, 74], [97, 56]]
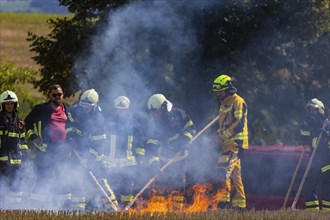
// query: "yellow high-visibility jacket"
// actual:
[[233, 123]]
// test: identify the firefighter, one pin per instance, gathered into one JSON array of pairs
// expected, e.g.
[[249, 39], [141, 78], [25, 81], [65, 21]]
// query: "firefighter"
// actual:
[[12, 147], [89, 127], [170, 132], [319, 174], [123, 150], [233, 135], [87, 134], [46, 126]]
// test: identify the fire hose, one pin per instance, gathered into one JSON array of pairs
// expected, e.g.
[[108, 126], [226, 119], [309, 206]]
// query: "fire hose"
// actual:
[[293, 206], [161, 170], [96, 181]]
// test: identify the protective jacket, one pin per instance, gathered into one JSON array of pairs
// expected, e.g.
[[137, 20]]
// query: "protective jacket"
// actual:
[[233, 123], [121, 155], [13, 151], [310, 131], [124, 144], [234, 133], [319, 175], [12, 139], [38, 122], [169, 135], [89, 129]]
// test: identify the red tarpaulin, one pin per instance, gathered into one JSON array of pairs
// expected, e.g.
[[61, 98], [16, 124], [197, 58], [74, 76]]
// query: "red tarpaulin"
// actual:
[[267, 173]]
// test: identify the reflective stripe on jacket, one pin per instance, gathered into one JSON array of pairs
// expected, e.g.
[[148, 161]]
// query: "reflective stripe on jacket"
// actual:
[[38, 121], [114, 161], [12, 138], [170, 136]]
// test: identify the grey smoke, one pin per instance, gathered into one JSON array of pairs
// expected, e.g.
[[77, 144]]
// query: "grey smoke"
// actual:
[[132, 56], [135, 53]]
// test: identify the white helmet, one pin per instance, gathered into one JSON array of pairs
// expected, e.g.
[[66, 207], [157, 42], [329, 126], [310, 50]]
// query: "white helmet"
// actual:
[[8, 96], [316, 104], [122, 102], [89, 97], [157, 100]]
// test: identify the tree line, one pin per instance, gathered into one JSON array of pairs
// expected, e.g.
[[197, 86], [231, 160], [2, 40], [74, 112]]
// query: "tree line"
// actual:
[[278, 51]]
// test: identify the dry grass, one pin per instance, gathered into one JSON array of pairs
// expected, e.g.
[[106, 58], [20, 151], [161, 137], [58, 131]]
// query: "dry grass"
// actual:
[[14, 28], [223, 215]]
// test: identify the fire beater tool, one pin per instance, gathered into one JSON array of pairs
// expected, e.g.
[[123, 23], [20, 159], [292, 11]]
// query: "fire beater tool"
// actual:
[[293, 206], [169, 163], [96, 181]]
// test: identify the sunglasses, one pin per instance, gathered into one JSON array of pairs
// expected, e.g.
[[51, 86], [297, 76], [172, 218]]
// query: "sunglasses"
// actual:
[[57, 94]]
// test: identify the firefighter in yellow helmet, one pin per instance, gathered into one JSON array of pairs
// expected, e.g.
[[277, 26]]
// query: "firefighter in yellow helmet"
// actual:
[[12, 145], [319, 174], [233, 133]]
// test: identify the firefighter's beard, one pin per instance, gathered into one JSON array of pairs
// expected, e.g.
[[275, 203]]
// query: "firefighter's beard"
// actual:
[[56, 102], [221, 98], [221, 95]]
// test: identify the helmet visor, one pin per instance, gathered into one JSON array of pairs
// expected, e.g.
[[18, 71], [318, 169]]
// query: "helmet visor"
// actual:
[[218, 87]]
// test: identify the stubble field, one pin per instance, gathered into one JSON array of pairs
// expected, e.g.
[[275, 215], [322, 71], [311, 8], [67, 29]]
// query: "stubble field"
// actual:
[[222, 215]]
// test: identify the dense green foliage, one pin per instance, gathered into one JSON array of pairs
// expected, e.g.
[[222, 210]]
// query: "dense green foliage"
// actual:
[[11, 77], [69, 37], [278, 50]]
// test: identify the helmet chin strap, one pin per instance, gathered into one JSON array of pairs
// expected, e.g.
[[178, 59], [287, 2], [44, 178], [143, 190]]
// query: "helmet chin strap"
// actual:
[[231, 90]]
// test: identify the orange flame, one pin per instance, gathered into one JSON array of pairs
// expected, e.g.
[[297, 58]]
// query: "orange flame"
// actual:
[[201, 196]]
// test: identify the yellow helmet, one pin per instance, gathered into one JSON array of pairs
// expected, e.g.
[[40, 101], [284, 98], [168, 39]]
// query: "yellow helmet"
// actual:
[[122, 102], [222, 83]]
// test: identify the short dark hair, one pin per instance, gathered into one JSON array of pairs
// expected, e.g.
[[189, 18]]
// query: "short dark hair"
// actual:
[[52, 87]]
